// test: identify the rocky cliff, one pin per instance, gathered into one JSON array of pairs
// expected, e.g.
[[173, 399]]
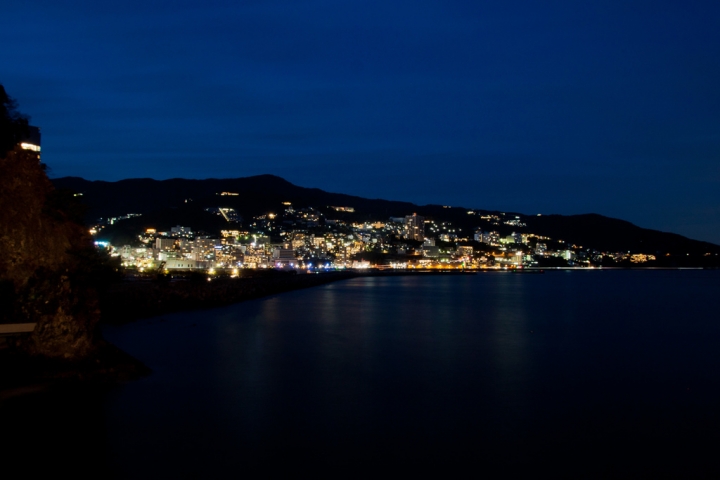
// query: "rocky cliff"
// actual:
[[46, 269]]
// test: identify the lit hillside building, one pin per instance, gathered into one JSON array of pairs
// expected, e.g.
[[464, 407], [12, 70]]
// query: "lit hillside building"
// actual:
[[415, 227], [31, 141]]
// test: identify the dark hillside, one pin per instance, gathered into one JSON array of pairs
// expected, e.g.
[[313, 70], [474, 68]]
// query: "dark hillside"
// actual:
[[256, 195], [182, 202], [613, 235]]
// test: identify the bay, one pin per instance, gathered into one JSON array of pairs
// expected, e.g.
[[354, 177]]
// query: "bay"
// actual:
[[571, 373]]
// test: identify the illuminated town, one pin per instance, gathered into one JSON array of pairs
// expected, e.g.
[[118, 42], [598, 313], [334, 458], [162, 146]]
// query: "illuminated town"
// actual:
[[316, 239]]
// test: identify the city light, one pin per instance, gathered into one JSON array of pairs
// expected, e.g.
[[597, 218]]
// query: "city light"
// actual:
[[306, 238]]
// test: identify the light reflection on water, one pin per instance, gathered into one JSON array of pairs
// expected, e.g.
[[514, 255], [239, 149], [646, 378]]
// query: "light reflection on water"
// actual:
[[555, 371]]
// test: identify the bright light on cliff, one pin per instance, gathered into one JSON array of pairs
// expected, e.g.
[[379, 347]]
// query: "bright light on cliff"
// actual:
[[30, 146]]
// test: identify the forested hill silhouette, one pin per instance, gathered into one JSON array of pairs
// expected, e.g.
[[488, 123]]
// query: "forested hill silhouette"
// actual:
[[256, 195], [166, 203], [614, 235]]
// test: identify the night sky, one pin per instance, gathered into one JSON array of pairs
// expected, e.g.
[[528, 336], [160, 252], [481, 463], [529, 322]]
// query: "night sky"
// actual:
[[538, 107]]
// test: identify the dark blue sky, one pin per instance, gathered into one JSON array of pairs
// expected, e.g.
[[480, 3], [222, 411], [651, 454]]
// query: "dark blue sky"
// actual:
[[552, 107]]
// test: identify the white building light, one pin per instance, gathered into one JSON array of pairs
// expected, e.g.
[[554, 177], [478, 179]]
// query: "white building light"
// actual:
[[30, 146]]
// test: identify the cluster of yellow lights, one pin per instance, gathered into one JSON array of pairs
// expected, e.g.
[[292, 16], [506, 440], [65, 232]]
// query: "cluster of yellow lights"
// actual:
[[641, 258]]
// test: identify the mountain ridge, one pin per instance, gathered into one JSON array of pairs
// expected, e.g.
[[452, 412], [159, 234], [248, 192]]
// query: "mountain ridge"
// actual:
[[164, 202]]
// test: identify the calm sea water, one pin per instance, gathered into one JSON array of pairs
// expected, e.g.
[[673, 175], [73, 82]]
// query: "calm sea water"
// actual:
[[581, 374]]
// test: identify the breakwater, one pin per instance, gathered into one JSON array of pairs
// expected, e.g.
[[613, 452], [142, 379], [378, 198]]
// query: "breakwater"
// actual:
[[134, 299]]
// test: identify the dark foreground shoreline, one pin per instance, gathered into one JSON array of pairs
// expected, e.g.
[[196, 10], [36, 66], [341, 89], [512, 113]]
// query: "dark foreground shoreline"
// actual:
[[22, 374]]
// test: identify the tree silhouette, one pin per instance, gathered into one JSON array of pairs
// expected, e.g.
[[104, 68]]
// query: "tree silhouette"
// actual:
[[13, 124]]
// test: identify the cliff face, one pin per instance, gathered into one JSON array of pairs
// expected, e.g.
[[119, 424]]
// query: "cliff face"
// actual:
[[44, 269]]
